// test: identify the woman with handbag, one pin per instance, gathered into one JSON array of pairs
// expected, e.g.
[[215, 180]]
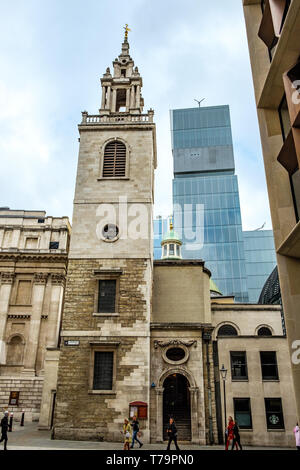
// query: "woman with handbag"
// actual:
[[127, 434]]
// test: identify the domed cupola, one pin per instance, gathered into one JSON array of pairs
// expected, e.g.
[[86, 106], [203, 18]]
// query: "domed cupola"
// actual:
[[214, 290], [171, 244]]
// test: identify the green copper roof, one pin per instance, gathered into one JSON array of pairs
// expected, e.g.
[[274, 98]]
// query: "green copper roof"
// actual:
[[213, 287], [171, 235]]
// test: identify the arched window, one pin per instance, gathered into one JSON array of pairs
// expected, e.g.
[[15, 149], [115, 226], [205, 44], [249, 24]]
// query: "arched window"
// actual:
[[264, 331], [227, 330], [15, 350], [114, 160]]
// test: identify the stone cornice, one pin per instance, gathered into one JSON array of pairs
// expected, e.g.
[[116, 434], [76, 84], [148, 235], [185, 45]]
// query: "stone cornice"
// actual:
[[181, 326], [245, 307], [182, 262], [115, 125], [21, 256], [34, 228], [21, 316], [174, 342]]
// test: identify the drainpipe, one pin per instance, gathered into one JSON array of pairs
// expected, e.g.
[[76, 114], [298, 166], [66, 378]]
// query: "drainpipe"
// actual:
[[207, 339]]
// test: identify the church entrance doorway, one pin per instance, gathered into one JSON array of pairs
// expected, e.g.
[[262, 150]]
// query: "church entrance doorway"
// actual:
[[177, 405]]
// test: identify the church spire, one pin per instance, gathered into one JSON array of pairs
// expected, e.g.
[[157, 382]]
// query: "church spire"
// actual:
[[121, 90]]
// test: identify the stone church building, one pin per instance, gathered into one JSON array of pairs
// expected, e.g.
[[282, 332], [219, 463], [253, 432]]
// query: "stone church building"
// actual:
[[139, 336]]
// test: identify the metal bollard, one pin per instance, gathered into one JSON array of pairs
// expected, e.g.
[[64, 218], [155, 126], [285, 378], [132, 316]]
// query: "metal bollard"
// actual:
[[22, 418], [11, 419]]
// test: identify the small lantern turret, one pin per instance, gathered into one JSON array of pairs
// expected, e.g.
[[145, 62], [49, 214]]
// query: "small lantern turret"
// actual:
[[171, 244]]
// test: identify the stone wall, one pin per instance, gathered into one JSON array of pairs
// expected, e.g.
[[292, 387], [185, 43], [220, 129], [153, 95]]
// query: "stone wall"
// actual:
[[210, 401], [82, 413], [192, 368], [29, 399]]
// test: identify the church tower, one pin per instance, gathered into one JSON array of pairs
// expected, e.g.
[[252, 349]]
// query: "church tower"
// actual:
[[104, 364]]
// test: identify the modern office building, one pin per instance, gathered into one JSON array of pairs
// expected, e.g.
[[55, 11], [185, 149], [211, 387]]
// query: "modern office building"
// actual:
[[260, 260], [205, 195], [273, 30], [259, 250]]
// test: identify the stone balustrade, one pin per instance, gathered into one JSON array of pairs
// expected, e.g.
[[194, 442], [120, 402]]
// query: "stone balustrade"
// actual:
[[92, 119]]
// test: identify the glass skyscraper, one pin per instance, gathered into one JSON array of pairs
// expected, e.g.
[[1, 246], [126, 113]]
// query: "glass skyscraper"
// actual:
[[204, 178], [260, 260]]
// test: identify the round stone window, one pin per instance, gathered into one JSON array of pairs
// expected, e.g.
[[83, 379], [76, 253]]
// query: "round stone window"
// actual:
[[176, 354], [110, 232]]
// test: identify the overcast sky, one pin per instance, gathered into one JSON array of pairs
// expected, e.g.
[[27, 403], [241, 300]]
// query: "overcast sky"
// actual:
[[53, 53]]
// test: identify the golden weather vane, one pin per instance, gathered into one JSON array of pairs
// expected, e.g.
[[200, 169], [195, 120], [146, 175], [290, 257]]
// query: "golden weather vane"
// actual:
[[126, 31]]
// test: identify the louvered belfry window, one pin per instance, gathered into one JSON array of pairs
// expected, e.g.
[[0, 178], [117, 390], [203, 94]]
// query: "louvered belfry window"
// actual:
[[114, 164]]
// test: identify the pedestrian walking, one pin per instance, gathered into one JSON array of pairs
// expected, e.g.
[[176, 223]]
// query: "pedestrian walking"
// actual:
[[229, 432], [4, 428], [127, 434], [236, 437], [135, 431], [297, 436], [172, 434]]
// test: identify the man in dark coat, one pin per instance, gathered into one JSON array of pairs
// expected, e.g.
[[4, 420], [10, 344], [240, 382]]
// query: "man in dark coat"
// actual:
[[236, 437], [4, 428], [172, 433], [135, 429]]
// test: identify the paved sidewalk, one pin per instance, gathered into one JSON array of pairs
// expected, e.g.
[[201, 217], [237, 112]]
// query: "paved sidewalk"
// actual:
[[30, 438]]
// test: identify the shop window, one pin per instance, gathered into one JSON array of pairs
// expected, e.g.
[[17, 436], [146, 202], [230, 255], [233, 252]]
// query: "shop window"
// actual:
[[242, 412], [274, 414]]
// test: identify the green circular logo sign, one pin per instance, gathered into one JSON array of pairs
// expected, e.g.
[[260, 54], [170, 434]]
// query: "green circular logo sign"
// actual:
[[274, 419]]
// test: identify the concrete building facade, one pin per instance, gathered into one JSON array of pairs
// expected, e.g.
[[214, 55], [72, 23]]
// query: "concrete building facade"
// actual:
[[273, 38]]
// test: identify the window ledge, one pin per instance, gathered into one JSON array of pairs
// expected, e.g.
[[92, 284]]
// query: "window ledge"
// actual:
[[240, 380], [246, 430], [276, 430], [97, 314], [101, 392], [104, 178], [270, 380]]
